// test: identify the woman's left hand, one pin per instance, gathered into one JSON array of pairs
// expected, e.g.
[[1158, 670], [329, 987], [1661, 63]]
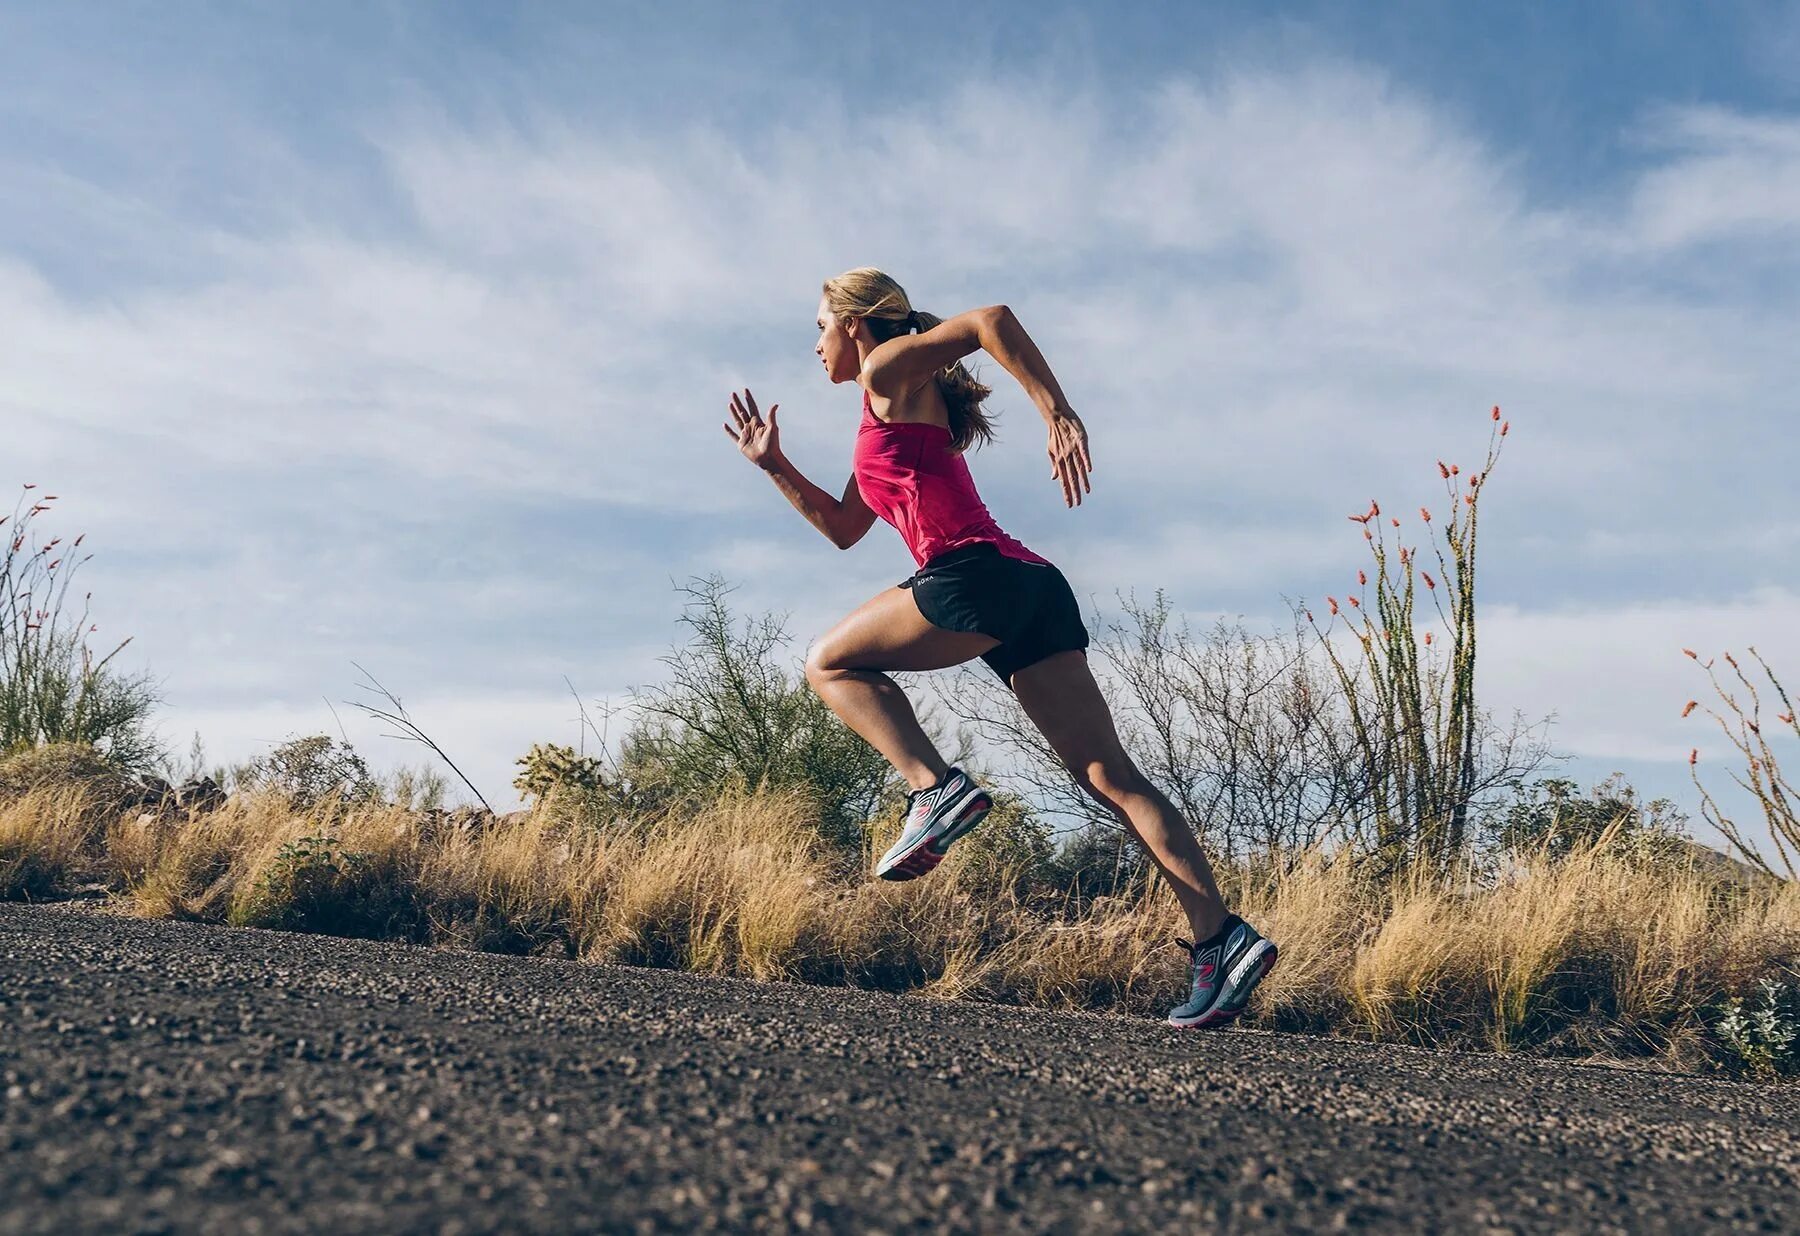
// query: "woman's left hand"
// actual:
[[1070, 461]]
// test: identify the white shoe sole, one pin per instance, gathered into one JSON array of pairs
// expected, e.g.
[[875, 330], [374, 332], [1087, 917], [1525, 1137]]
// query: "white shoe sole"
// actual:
[[929, 850]]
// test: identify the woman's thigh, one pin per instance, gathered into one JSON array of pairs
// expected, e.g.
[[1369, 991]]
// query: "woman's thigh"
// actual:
[[1062, 699], [887, 632]]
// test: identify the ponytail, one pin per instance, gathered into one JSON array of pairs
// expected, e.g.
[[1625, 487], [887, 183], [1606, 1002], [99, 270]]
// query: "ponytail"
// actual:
[[873, 295]]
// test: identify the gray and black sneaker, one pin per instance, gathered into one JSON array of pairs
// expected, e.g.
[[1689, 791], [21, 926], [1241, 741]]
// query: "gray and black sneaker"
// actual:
[[1222, 973], [934, 818]]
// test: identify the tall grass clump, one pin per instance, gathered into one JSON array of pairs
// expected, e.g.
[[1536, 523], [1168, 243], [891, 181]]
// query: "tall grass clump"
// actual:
[[55, 686]]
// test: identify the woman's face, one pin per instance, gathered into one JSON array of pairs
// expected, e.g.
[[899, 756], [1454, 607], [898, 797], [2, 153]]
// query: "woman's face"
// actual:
[[836, 349]]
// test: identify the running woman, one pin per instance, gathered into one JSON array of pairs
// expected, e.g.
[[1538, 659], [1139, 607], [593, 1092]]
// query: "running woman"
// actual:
[[977, 593]]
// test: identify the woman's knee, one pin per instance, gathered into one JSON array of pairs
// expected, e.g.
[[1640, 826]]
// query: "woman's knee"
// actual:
[[818, 663], [1110, 780]]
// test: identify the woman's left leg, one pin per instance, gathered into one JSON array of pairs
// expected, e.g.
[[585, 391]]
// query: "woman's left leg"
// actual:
[[888, 632]]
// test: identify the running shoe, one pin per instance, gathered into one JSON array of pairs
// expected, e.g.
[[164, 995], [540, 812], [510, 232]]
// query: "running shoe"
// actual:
[[1222, 972], [934, 818]]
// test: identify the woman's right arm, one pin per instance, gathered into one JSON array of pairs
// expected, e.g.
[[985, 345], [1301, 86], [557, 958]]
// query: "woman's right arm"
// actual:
[[842, 521]]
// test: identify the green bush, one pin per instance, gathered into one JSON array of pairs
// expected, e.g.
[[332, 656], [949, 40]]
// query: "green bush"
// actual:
[[1761, 1036], [1552, 816], [734, 713], [315, 884]]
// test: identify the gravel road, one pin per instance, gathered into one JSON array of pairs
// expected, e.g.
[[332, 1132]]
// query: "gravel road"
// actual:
[[161, 1076]]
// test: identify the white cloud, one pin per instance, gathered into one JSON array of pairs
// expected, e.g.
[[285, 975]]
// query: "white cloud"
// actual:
[[1616, 674], [1731, 176], [1273, 294]]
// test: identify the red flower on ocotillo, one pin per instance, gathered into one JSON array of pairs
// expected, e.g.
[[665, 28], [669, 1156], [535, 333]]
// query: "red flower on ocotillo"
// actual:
[[1504, 426], [49, 497], [1731, 660], [1786, 718], [1454, 469], [31, 486], [1355, 602], [1361, 578], [1469, 498], [1691, 705], [1754, 727], [1693, 757], [1690, 652], [1496, 411], [1428, 638], [1374, 507], [1332, 601], [1443, 471], [53, 565], [1367, 535], [1429, 582], [1424, 514], [1309, 616]]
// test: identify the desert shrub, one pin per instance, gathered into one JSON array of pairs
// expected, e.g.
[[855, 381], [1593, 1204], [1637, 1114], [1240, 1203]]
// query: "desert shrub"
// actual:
[[1753, 739], [1010, 849], [735, 713], [311, 771], [60, 763], [1552, 817], [55, 686], [1098, 860], [1761, 1035], [315, 883]]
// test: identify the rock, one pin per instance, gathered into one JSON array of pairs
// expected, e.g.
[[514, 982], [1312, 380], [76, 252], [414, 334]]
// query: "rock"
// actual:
[[201, 794]]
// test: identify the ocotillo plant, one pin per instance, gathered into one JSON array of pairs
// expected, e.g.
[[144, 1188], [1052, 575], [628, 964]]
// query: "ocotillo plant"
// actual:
[[1779, 799], [1412, 714]]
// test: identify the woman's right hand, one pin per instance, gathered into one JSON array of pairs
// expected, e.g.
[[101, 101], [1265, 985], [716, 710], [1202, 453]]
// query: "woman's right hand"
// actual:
[[759, 440]]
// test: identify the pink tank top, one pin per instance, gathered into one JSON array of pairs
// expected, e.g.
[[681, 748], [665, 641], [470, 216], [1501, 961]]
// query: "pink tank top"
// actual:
[[908, 475]]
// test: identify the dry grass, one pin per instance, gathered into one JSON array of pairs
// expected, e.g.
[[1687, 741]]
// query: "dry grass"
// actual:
[[1594, 953]]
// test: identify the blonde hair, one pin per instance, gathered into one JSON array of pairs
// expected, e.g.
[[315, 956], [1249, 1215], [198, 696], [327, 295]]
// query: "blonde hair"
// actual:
[[872, 295]]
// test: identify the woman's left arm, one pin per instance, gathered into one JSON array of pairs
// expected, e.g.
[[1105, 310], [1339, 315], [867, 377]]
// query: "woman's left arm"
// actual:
[[902, 363]]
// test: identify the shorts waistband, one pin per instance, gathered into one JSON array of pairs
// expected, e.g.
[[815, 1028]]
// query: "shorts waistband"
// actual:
[[962, 553]]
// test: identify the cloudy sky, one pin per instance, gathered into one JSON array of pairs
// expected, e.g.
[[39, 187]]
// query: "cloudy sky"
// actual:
[[401, 333]]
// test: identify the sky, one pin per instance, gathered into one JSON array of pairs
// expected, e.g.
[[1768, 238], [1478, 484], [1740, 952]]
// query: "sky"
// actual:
[[399, 335]]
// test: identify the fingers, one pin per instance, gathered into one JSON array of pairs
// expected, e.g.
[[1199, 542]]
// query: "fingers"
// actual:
[[1071, 495], [742, 414]]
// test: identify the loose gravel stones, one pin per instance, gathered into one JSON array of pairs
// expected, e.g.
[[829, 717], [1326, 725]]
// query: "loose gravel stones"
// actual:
[[168, 1077]]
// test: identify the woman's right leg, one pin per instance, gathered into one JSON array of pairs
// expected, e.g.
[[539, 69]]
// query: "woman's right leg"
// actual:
[[1062, 699], [888, 632]]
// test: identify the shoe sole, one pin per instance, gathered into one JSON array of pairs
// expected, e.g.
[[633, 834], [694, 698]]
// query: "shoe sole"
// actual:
[[929, 851], [1254, 969]]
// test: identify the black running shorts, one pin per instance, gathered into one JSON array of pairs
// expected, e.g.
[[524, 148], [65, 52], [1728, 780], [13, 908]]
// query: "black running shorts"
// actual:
[[1027, 606]]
